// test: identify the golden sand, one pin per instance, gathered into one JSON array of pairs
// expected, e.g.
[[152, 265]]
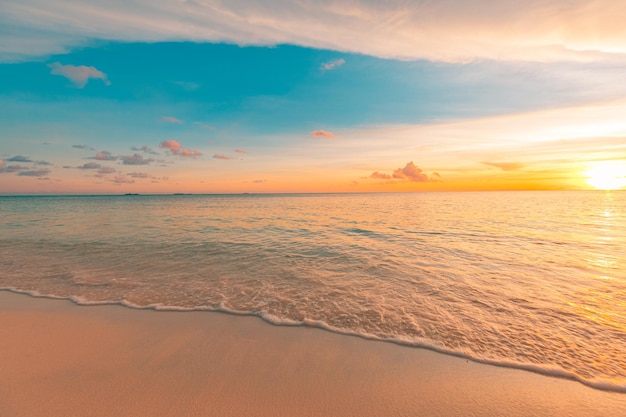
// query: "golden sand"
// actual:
[[58, 359]]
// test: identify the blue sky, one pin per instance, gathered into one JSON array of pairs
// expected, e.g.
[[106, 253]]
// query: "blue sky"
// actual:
[[270, 109]]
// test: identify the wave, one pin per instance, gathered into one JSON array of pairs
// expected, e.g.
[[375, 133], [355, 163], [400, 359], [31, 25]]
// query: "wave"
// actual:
[[550, 371]]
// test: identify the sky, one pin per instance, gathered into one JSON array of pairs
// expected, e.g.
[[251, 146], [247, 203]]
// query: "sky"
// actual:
[[207, 96]]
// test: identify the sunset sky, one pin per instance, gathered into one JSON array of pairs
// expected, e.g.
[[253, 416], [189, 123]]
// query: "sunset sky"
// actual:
[[208, 96]]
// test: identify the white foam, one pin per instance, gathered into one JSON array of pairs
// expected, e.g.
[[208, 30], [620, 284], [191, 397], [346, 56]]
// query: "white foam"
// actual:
[[546, 370]]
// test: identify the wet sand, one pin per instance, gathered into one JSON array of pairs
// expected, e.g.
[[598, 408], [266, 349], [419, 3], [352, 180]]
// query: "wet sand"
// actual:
[[58, 359]]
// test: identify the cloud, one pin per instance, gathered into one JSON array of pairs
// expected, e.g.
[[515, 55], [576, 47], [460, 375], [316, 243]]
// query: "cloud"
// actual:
[[144, 149], [330, 65], [136, 159], [34, 173], [42, 163], [79, 75], [189, 153], [322, 134], [171, 145], [222, 156], [106, 170], [11, 168], [121, 179], [239, 150], [445, 30], [172, 120], [258, 181], [90, 165], [104, 156], [380, 176], [138, 175], [505, 166], [177, 149], [19, 158], [83, 147], [410, 172]]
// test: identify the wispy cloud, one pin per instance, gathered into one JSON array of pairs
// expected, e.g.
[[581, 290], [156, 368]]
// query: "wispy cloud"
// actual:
[[173, 120], [79, 75], [322, 134], [136, 159], [448, 30], [34, 173], [90, 165], [410, 172], [222, 156], [122, 179], [106, 170], [564, 136], [19, 158], [505, 166], [330, 65], [138, 175], [83, 147], [4, 168], [204, 125], [239, 150], [131, 177], [144, 149]]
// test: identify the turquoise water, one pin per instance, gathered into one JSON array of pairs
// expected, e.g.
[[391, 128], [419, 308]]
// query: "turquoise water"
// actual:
[[532, 280]]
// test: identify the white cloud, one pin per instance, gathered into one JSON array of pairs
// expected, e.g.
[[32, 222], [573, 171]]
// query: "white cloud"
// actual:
[[444, 30], [330, 65], [563, 135], [79, 75]]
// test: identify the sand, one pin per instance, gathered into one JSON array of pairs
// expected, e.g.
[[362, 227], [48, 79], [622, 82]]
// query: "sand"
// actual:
[[58, 359]]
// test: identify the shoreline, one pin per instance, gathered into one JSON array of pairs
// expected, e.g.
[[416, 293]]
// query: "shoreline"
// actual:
[[537, 369], [60, 358]]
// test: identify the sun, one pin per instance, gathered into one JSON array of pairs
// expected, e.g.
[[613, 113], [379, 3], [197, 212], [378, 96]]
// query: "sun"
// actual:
[[607, 175]]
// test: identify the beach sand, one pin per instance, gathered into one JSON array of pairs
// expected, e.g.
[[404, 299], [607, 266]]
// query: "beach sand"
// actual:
[[58, 359]]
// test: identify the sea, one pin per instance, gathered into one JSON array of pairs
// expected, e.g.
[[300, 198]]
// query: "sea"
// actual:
[[529, 280]]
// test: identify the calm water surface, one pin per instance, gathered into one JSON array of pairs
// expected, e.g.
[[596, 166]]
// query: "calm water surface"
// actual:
[[534, 280]]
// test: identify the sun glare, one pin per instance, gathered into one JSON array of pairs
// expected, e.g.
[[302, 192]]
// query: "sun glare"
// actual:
[[607, 175]]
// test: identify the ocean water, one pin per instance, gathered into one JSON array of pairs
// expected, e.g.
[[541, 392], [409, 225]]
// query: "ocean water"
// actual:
[[532, 280]]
